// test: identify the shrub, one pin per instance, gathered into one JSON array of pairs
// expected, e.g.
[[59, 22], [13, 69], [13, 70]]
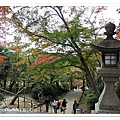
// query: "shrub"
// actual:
[[48, 90], [117, 89], [65, 86], [91, 99], [52, 90], [35, 92], [100, 87]]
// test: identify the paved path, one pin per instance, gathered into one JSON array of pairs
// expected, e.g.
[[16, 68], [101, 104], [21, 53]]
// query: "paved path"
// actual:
[[70, 97]]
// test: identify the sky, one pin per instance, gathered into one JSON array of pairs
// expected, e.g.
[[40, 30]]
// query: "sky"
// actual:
[[111, 12]]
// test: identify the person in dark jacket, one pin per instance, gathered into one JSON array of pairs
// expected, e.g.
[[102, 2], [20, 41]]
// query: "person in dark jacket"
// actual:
[[47, 103], [75, 106], [40, 96], [64, 105]]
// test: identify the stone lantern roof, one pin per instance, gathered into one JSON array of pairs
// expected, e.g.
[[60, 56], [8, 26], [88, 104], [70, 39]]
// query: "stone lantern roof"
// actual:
[[109, 44]]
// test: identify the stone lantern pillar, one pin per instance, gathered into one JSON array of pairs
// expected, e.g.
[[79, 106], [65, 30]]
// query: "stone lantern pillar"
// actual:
[[108, 102]]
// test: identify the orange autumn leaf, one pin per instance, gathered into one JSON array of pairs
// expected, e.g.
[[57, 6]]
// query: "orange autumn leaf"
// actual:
[[117, 37], [44, 59], [2, 58], [3, 12]]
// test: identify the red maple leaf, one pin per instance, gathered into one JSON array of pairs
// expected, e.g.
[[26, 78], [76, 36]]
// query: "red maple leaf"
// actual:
[[2, 58], [117, 37], [44, 59]]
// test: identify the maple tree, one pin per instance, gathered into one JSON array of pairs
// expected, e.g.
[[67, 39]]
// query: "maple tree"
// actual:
[[44, 59], [3, 12], [61, 29], [4, 67], [4, 21], [51, 31]]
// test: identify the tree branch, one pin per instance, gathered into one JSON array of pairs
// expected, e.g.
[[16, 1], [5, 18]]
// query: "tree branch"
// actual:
[[60, 14], [41, 36], [73, 66]]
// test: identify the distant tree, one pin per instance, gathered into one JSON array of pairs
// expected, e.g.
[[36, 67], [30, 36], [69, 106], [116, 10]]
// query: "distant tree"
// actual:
[[4, 23], [4, 67]]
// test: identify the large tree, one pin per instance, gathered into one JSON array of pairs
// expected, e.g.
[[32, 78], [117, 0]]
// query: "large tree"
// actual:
[[66, 31]]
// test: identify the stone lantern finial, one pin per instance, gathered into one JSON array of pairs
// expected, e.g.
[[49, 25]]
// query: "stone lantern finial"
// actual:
[[110, 27]]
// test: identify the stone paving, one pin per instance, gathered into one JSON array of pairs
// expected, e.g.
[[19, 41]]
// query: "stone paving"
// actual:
[[70, 97]]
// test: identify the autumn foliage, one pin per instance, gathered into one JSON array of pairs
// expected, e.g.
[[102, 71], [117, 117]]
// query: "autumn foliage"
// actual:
[[3, 12], [3, 19], [117, 37], [2, 58], [43, 59]]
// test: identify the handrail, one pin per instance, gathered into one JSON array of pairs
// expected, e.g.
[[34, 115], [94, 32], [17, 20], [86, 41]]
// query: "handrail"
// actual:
[[14, 93], [21, 97]]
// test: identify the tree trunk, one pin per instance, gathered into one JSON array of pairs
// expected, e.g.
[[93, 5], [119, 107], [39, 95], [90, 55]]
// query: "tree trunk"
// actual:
[[88, 74], [14, 93], [5, 82], [79, 52], [16, 96], [12, 83]]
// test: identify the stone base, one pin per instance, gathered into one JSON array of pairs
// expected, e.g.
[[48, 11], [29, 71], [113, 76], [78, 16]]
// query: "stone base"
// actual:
[[98, 111], [105, 112]]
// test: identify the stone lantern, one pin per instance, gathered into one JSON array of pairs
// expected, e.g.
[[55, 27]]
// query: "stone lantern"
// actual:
[[109, 71]]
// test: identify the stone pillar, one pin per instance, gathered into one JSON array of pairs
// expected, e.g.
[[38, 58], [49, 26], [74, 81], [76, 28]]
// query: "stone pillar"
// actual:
[[108, 101]]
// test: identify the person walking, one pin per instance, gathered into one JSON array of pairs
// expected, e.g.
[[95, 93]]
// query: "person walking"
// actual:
[[40, 97], [64, 105], [55, 105], [47, 103], [75, 106], [60, 103]]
